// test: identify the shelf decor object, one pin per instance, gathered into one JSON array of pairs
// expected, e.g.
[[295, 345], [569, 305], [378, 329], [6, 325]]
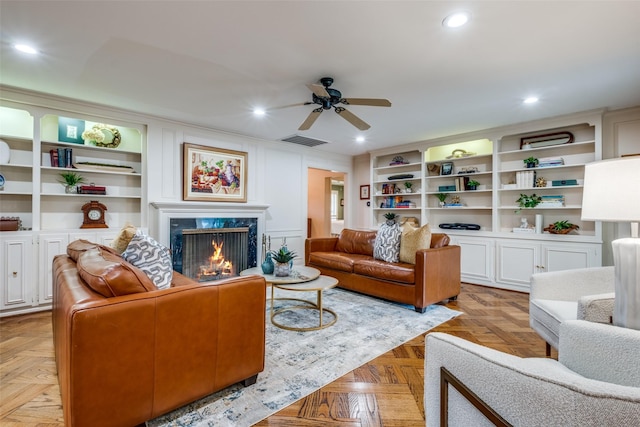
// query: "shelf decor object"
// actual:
[[546, 140], [611, 195], [102, 135], [70, 130], [214, 174], [364, 192]]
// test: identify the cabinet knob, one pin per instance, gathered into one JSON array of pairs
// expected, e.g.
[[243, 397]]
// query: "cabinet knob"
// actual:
[[15, 274]]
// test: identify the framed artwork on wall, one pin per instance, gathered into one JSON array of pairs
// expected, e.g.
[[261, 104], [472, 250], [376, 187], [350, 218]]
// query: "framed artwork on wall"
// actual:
[[214, 174], [364, 192]]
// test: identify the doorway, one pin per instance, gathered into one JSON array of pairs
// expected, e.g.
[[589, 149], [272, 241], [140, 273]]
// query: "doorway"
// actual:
[[325, 202]]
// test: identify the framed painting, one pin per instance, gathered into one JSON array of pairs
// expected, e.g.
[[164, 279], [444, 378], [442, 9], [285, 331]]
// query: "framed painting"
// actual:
[[364, 192], [214, 174]]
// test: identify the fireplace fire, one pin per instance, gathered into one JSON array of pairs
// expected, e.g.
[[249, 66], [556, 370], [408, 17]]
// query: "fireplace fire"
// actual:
[[218, 267]]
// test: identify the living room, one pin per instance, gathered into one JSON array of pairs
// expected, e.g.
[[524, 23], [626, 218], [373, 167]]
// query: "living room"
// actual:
[[209, 106]]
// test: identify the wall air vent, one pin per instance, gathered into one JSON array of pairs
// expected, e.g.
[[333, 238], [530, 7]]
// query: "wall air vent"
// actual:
[[303, 140]]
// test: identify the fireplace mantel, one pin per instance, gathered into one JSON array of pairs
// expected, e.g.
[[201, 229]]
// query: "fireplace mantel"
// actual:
[[164, 211]]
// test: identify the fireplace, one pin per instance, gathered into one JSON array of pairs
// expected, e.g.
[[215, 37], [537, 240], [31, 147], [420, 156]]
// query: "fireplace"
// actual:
[[214, 253], [194, 242], [171, 219]]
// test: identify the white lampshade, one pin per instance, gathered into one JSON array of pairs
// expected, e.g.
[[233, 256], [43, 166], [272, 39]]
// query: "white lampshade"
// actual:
[[612, 190]]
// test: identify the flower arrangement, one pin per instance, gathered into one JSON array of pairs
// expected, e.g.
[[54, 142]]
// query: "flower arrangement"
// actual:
[[98, 136]]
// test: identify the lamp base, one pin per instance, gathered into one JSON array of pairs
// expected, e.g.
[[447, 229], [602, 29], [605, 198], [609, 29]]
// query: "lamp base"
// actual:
[[626, 257]]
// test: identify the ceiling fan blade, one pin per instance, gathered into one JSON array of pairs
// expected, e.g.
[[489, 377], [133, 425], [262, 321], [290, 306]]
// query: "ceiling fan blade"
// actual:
[[311, 118], [366, 101], [352, 118], [288, 106], [319, 90]]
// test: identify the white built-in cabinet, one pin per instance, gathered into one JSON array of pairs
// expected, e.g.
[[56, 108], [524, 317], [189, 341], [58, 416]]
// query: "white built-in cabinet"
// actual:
[[50, 217], [497, 255]]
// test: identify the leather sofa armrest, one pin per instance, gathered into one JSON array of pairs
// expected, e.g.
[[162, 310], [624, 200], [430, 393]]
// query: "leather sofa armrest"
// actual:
[[319, 244], [437, 274]]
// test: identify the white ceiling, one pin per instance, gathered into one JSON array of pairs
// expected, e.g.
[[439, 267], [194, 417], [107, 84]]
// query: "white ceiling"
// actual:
[[211, 62]]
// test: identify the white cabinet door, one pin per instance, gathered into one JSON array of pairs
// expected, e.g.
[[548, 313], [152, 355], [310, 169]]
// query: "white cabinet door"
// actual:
[[517, 261], [50, 246], [16, 268], [558, 256], [476, 259]]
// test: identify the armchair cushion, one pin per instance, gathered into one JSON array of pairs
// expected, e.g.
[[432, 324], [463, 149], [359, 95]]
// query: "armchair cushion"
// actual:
[[109, 275], [152, 258], [413, 239], [596, 308], [387, 243]]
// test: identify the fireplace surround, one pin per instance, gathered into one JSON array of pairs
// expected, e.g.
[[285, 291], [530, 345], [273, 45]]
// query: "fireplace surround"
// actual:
[[172, 220]]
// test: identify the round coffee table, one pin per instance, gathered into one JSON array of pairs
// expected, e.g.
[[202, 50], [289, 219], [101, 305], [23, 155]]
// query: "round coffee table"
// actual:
[[304, 279]]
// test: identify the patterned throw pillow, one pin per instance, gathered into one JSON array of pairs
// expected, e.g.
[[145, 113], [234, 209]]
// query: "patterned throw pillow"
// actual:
[[387, 244], [152, 258], [412, 240]]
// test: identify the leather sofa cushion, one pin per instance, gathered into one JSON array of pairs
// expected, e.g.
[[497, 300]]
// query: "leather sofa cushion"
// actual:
[[109, 275], [78, 247], [397, 272], [356, 242], [336, 260]]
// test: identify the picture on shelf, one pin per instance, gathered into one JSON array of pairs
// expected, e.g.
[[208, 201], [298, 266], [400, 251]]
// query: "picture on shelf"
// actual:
[[446, 168], [70, 130]]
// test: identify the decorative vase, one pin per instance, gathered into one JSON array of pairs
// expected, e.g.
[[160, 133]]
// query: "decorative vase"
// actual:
[[282, 269], [70, 189], [267, 265]]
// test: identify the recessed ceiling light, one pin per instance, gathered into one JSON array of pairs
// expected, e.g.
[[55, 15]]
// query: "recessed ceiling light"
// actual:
[[360, 139], [456, 20], [259, 111], [530, 100], [26, 49]]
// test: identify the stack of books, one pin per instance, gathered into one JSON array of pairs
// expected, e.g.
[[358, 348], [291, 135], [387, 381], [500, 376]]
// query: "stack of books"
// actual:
[[92, 189], [406, 205], [525, 179], [61, 157], [548, 162], [461, 183], [552, 202]]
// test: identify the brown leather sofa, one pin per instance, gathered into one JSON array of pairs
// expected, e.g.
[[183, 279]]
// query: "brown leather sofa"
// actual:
[[349, 258], [126, 359]]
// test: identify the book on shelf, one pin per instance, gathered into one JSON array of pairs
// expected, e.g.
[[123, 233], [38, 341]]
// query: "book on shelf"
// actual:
[[92, 189], [53, 154], [547, 162], [461, 183], [551, 201], [406, 205], [525, 179]]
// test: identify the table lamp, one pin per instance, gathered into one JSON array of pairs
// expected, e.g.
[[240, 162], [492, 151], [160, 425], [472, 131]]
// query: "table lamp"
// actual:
[[612, 194]]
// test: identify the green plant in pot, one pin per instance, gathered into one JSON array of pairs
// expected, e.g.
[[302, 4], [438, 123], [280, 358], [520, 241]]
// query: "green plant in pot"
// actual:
[[525, 201], [472, 184], [282, 259], [442, 197], [407, 186], [531, 162], [561, 227], [70, 180], [391, 218]]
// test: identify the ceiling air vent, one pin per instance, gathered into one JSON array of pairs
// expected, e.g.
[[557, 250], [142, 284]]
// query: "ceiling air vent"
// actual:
[[303, 140]]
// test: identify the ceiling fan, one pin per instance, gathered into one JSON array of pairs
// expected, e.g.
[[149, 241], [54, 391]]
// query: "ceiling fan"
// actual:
[[327, 98]]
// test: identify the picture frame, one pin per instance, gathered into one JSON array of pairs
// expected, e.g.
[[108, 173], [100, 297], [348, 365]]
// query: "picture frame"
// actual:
[[364, 192], [446, 168], [70, 130], [214, 174]]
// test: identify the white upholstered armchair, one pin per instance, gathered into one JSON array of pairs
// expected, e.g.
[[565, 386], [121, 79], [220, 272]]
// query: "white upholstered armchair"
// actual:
[[558, 296], [595, 381]]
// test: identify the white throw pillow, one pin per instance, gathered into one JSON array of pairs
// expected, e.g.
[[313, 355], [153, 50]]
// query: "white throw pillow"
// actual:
[[151, 257], [387, 244]]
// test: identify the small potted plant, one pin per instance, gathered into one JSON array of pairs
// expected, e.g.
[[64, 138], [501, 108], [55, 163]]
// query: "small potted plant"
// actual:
[[391, 218], [442, 197], [531, 162], [282, 258], [525, 201], [561, 227], [70, 180], [407, 187], [472, 184]]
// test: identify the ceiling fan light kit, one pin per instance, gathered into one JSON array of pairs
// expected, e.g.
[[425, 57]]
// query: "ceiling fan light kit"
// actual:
[[327, 97]]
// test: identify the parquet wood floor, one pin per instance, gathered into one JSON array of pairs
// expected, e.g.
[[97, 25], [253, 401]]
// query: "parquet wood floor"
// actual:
[[387, 391]]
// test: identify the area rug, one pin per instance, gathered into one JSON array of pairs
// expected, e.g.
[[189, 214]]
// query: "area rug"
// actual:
[[298, 363]]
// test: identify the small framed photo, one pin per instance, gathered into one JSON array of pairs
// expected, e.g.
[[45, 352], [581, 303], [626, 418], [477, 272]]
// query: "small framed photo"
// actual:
[[214, 174], [70, 130], [364, 192], [446, 168]]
